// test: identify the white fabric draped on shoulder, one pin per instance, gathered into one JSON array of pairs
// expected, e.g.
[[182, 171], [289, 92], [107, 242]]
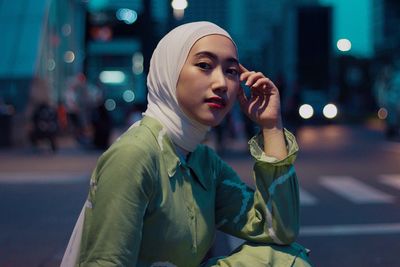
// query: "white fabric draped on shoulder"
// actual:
[[71, 255]]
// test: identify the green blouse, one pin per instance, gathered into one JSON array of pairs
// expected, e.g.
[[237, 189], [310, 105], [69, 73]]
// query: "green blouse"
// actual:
[[146, 207]]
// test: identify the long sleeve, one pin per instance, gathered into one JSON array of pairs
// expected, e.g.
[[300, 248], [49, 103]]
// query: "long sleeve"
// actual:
[[270, 213], [121, 188]]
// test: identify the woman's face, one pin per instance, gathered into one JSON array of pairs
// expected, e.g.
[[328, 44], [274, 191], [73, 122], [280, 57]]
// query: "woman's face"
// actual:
[[209, 80]]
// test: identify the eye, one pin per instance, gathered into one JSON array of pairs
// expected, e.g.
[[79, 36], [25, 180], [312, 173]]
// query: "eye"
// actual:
[[204, 65], [233, 72]]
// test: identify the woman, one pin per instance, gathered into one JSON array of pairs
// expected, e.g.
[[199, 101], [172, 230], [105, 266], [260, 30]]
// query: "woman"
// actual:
[[157, 195]]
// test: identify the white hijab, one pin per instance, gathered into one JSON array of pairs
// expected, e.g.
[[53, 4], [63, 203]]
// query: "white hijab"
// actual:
[[165, 66]]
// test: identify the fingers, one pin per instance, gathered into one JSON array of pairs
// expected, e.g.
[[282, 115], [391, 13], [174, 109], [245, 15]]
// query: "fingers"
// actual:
[[257, 81], [259, 84], [244, 73], [264, 83], [242, 68], [249, 107], [249, 76], [255, 77]]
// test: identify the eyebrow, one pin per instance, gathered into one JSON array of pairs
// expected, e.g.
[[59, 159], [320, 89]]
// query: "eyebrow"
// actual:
[[215, 57]]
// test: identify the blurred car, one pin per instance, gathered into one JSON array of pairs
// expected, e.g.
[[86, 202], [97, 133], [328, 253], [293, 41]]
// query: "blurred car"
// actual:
[[315, 105]]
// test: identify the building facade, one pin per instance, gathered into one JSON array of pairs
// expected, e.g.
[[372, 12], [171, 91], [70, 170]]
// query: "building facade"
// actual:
[[43, 46]]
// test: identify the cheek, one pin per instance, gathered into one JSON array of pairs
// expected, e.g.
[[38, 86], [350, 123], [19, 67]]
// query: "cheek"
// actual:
[[186, 83], [184, 97]]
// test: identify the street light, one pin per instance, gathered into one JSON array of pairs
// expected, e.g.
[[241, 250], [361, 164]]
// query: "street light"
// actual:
[[343, 45], [179, 7]]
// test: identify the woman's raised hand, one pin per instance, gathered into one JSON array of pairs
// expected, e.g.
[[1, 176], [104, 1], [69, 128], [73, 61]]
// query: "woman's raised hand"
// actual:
[[263, 105]]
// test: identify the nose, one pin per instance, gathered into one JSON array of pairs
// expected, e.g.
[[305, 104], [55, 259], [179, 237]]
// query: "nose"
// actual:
[[219, 80]]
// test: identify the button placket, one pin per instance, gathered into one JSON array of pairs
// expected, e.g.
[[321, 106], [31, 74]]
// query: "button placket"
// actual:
[[191, 213]]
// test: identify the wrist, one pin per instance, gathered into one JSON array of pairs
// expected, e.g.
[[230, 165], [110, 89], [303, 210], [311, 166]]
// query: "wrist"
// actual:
[[268, 132], [276, 126], [274, 142]]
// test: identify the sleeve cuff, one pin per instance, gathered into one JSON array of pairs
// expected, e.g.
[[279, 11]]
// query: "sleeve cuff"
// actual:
[[256, 145]]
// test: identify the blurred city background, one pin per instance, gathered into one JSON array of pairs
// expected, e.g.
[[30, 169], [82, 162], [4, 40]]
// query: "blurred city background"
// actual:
[[73, 78]]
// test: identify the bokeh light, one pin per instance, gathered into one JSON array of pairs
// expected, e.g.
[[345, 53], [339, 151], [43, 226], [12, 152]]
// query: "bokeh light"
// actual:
[[128, 96], [126, 15], [51, 64], [69, 57], [382, 113], [344, 45], [112, 77], [66, 29], [330, 111], [306, 111], [137, 63], [179, 4], [110, 104]]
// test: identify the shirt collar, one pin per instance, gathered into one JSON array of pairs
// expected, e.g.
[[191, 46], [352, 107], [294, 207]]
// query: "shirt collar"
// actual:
[[167, 149], [195, 162], [170, 156]]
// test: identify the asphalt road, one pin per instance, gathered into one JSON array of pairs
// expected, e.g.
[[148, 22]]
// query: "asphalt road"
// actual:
[[352, 179], [350, 198]]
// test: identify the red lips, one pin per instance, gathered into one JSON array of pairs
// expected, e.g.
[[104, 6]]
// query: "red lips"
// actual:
[[216, 102]]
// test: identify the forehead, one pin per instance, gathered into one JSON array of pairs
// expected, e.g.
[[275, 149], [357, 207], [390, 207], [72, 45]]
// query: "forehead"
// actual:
[[217, 44]]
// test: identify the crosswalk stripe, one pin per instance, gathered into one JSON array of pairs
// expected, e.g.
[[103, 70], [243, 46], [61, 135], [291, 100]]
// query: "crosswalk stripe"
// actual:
[[42, 177], [354, 190], [306, 199], [352, 229], [335, 230], [391, 180]]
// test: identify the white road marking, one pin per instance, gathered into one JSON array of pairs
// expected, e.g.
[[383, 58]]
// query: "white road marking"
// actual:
[[306, 199], [335, 230], [354, 190], [350, 229], [42, 178], [391, 180]]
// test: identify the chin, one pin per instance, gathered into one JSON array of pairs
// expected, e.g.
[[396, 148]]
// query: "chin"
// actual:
[[210, 119], [212, 122]]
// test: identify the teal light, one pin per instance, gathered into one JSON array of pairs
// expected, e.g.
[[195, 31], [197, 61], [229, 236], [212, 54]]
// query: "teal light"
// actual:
[[110, 104], [112, 76], [128, 96], [126, 15], [95, 5], [352, 20]]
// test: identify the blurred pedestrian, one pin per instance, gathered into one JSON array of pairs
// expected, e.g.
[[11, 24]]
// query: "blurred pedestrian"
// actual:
[[387, 93], [45, 125], [157, 195], [73, 109], [102, 127], [62, 117]]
